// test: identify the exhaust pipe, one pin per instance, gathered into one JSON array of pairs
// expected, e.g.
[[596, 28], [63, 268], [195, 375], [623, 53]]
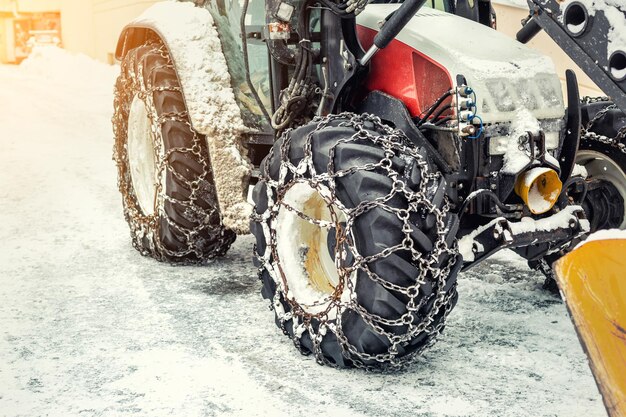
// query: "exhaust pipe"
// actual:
[[539, 188]]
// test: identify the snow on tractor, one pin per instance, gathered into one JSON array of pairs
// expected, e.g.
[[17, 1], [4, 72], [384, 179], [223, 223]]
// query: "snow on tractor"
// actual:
[[390, 147]]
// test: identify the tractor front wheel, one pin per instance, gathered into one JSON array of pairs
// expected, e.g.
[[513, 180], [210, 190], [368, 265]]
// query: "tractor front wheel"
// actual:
[[605, 166], [602, 153], [356, 247]]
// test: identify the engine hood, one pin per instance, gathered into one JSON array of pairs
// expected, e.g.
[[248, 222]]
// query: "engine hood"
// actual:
[[508, 77]]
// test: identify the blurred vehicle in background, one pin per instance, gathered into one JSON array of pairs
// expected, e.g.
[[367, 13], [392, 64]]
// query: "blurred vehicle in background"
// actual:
[[43, 38]]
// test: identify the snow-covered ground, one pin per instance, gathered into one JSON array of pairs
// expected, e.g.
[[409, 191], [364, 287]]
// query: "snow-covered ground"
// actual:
[[88, 327]]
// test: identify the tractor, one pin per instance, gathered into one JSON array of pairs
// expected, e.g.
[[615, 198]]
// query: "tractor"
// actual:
[[373, 150]]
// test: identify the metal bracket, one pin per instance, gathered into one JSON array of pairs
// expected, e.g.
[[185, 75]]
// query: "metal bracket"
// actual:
[[392, 110], [543, 237]]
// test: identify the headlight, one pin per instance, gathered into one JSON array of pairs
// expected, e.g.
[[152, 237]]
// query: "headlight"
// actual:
[[502, 95], [550, 90], [539, 92], [526, 95]]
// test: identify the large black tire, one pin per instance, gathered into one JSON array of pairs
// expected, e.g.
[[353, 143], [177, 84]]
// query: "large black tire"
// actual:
[[183, 225], [399, 239], [605, 136]]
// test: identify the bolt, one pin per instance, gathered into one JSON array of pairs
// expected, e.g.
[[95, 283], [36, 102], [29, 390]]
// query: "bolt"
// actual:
[[469, 130]]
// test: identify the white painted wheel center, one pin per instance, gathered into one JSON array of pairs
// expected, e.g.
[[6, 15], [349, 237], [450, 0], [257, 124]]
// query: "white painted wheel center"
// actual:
[[307, 264], [141, 156]]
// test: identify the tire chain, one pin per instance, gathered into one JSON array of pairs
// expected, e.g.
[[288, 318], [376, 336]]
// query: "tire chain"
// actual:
[[394, 143], [616, 142], [145, 226]]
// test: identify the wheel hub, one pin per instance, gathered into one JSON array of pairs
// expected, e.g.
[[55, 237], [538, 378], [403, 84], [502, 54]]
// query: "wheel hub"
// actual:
[[604, 203], [141, 156], [308, 227], [604, 206]]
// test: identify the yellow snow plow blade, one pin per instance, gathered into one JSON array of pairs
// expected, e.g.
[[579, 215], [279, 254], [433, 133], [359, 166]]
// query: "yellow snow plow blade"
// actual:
[[592, 279]]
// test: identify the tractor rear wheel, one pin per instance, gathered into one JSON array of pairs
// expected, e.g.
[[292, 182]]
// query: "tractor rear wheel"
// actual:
[[164, 170], [356, 247]]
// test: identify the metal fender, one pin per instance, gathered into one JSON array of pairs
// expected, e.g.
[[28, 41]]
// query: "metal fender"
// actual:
[[592, 280], [196, 50]]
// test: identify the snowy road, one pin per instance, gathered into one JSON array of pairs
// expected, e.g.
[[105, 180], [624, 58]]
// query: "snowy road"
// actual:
[[88, 327]]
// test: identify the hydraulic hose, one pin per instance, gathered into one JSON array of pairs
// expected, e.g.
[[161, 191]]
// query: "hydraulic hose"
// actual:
[[397, 22]]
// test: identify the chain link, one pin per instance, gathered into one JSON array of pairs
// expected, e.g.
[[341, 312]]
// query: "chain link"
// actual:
[[434, 267], [591, 100], [615, 142], [136, 80]]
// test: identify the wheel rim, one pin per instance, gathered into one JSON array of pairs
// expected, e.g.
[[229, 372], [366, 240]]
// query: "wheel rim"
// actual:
[[599, 166], [307, 266], [141, 156]]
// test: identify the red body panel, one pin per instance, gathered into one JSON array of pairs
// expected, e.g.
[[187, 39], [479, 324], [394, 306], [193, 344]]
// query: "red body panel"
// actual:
[[402, 72]]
